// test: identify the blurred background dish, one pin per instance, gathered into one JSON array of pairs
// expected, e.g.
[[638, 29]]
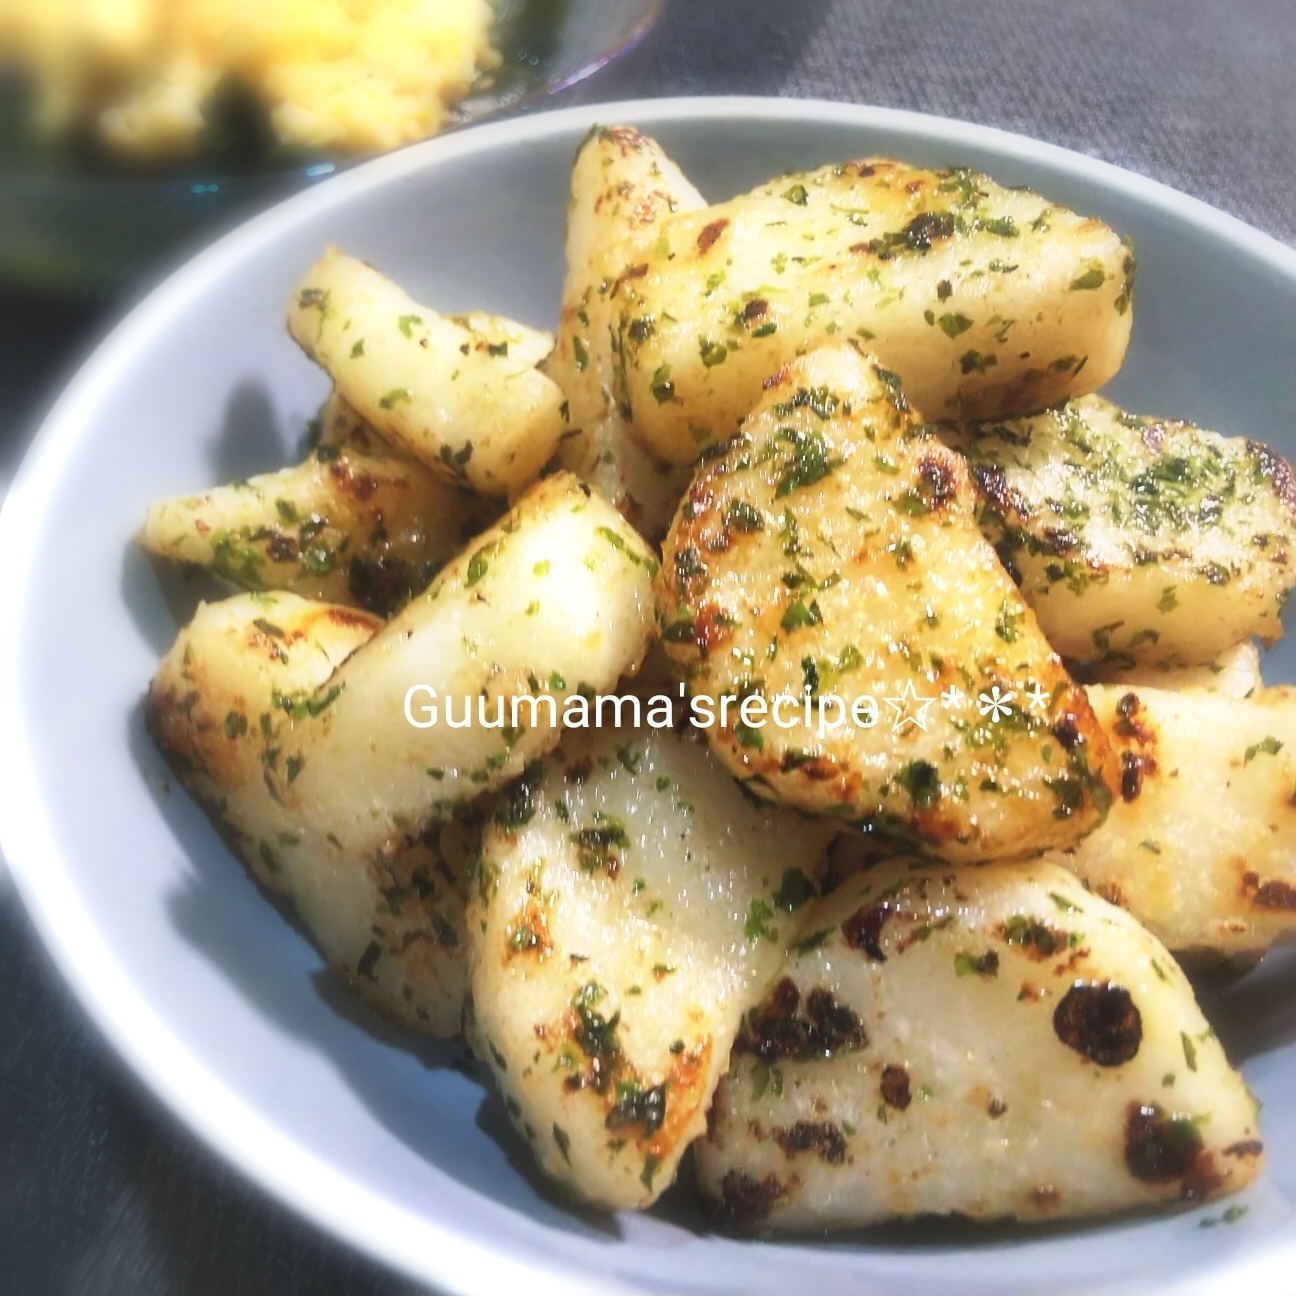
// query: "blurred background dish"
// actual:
[[77, 219]]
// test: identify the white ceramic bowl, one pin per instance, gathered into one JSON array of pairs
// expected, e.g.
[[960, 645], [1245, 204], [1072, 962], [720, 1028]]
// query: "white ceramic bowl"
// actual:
[[223, 1008]]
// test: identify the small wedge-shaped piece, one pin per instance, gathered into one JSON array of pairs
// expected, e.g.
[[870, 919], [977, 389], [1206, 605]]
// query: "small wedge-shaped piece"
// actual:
[[345, 526], [623, 187], [465, 406], [354, 765], [1201, 844], [1137, 540], [986, 301], [989, 1042], [831, 553], [391, 923], [629, 908]]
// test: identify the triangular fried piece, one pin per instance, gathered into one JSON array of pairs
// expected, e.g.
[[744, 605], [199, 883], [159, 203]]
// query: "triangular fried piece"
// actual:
[[829, 556], [990, 1042]]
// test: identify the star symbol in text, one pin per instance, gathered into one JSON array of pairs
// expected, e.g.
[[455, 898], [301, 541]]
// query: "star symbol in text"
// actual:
[[904, 715]]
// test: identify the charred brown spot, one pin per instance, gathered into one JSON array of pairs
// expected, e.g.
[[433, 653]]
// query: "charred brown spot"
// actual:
[[631, 272], [380, 585], [993, 486], [996, 1107], [706, 240], [823, 1138], [894, 1087], [863, 930], [1153, 435], [1273, 894], [866, 169], [936, 484], [345, 617], [1159, 1148], [1059, 541], [1126, 725], [746, 1201], [1067, 731], [579, 771], [711, 627], [1274, 467], [755, 309], [1247, 1148], [360, 485], [779, 1028], [282, 548], [1133, 768], [530, 933], [1046, 1198], [1100, 1020]]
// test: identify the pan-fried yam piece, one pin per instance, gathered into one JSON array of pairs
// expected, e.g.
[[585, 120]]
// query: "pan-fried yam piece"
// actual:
[[1137, 541], [345, 526], [465, 406], [986, 301], [628, 908], [1235, 673], [1201, 844], [989, 1042], [519, 341], [623, 188], [826, 567], [390, 922], [552, 602]]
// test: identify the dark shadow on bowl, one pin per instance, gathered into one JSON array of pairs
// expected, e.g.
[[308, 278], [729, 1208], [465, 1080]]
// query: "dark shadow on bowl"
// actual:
[[1255, 1013], [162, 596], [250, 440]]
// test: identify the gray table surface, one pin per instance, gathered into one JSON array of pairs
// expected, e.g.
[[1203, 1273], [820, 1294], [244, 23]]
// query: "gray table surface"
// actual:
[[101, 1192]]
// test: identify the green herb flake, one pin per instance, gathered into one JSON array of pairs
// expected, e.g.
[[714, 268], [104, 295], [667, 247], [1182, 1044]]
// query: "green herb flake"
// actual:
[[757, 925], [983, 965], [407, 324], [1269, 746], [953, 325], [797, 194], [801, 614], [397, 396], [794, 890], [808, 944], [1094, 277]]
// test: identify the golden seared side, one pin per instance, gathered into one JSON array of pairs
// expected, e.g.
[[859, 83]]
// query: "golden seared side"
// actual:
[[990, 1042], [1137, 541], [986, 301], [829, 556]]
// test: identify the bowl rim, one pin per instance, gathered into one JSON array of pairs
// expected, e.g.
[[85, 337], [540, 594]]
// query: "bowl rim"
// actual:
[[414, 1244]]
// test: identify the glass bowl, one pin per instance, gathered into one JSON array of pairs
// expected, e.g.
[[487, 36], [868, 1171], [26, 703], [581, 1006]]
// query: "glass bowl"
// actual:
[[81, 227]]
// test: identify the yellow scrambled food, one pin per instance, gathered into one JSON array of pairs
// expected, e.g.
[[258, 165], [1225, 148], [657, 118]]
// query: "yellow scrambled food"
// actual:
[[352, 75]]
